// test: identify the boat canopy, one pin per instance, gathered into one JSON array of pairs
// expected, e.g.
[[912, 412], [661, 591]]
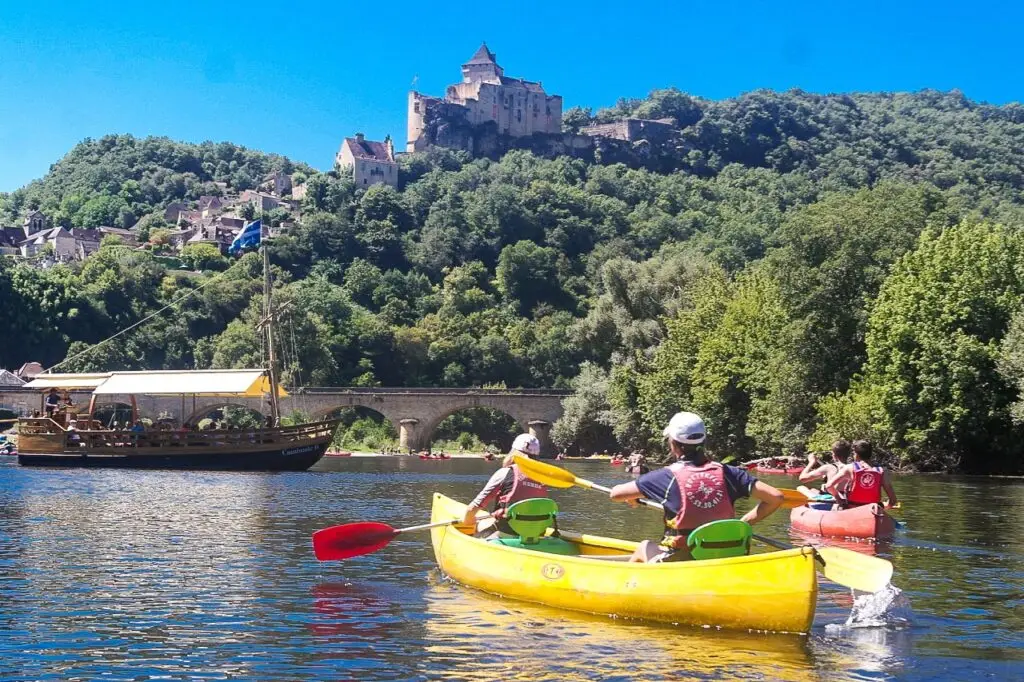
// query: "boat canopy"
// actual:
[[225, 383], [68, 382]]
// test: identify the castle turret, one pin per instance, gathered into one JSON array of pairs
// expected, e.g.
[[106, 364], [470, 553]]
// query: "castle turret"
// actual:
[[482, 66]]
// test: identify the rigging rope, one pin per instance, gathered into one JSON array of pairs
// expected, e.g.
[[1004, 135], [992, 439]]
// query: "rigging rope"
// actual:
[[149, 317]]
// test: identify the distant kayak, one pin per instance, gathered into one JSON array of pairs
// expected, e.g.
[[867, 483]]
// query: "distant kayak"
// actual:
[[867, 521], [435, 456]]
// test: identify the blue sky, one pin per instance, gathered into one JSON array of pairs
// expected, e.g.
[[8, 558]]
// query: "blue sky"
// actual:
[[295, 78]]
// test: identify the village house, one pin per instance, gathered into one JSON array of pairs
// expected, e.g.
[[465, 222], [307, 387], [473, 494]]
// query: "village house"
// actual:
[[518, 107], [277, 183], [29, 371], [369, 162], [67, 245], [259, 200]]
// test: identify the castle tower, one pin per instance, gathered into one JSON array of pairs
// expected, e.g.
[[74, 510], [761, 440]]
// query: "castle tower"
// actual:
[[482, 66]]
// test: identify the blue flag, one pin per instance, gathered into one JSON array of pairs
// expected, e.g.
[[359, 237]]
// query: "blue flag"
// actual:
[[250, 236]]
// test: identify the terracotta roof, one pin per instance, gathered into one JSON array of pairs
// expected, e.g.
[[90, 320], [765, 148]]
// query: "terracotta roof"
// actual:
[[483, 56], [368, 149]]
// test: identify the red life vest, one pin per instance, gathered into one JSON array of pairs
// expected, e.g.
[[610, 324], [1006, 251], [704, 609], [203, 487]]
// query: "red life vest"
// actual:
[[703, 498], [522, 488], [867, 485]]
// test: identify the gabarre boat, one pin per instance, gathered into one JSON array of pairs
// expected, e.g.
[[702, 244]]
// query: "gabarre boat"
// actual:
[[49, 440]]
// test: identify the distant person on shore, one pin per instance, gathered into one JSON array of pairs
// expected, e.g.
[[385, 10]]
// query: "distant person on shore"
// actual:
[[505, 487], [694, 491], [866, 482]]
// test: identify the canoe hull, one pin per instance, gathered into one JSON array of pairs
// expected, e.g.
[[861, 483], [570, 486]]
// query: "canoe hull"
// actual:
[[775, 592], [868, 521]]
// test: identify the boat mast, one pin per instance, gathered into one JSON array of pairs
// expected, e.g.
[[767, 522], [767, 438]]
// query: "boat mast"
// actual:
[[268, 324]]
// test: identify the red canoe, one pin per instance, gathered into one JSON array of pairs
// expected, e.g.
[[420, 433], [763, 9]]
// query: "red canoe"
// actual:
[[791, 471], [435, 457], [867, 521]]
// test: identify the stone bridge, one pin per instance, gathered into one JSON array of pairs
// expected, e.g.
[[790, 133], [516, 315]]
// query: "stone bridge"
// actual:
[[414, 412]]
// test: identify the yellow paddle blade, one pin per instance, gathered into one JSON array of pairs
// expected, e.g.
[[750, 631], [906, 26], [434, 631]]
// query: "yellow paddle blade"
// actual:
[[856, 570], [545, 474], [792, 498]]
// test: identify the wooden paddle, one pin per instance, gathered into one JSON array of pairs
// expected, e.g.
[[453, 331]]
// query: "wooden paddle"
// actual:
[[355, 539], [842, 566], [556, 477]]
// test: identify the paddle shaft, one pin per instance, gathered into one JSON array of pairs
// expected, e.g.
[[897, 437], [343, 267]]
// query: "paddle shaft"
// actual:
[[439, 524]]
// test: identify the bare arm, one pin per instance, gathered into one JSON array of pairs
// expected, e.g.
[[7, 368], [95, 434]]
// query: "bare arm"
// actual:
[[768, 500], [890, 493], [625, 492], [821, 472], [832, 484]]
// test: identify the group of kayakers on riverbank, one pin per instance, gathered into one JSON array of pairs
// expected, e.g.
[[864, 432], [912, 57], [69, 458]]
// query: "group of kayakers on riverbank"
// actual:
[[693, 489]]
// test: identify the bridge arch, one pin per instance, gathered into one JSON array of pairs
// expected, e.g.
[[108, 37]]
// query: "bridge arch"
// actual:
[[428, 431]]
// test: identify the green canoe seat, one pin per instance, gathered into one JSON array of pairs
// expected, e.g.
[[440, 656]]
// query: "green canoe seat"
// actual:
[[531, 519], [720, 539]]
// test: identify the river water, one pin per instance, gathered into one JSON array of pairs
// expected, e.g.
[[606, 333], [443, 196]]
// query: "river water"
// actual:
[[140, 575]]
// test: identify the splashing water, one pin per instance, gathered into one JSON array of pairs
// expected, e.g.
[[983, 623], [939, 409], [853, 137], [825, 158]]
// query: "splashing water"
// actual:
[[887, 608]]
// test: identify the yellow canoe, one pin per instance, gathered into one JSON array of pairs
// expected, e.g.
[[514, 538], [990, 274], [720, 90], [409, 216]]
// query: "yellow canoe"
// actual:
[[776, 591]]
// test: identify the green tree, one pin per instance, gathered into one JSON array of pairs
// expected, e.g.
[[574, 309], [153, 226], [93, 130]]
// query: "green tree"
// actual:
[[203, 257], [931, 386]]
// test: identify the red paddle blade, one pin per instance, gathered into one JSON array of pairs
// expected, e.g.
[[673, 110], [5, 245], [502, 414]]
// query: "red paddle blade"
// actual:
[[351, 539]]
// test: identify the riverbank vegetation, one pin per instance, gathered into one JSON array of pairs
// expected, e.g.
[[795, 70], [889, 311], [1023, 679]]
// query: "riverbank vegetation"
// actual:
[[796, 268]]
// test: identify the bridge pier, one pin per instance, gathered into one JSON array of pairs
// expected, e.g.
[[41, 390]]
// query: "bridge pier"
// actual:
[[407, 435], [541, 430]]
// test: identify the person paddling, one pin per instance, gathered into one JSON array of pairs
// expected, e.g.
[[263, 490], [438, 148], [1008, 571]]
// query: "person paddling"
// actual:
[[865, 481], [694, 491], [506, 486], [816, 468]]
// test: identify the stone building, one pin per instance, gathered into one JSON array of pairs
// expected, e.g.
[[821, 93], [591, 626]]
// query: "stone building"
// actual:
[[516, 107], [67, 244], [369, 162], [633, 129], [35, 222]]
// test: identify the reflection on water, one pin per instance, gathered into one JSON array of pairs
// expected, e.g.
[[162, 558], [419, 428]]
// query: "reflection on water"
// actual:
[[142, 575]]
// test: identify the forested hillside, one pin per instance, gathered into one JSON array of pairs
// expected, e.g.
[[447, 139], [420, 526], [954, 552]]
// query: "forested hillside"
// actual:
[[797, 268]]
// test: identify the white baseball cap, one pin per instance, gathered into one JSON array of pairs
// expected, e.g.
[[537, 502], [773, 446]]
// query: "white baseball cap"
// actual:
[[526, 444], [685, 427]]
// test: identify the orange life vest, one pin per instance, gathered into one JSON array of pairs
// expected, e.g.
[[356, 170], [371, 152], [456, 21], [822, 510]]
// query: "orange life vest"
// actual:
[[522, 488], [867, 485], [703, 498]]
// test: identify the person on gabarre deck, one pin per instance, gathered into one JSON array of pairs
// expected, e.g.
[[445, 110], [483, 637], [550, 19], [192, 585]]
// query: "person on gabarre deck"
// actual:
[[694, 490], [506, 486], [865, 482]]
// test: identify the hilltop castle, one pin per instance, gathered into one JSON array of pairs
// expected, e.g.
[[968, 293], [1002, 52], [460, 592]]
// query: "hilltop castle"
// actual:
[[486, 97]]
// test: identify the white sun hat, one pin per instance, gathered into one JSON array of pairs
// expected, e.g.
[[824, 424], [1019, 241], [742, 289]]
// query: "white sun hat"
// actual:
[[685, 427], [526, 444]]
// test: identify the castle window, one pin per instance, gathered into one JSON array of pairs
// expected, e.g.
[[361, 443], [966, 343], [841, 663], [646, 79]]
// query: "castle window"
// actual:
[[519, 114], [416, 107]]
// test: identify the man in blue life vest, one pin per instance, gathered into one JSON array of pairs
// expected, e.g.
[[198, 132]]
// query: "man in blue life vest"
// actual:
[[506, 486], [694, 491], [861, 482]]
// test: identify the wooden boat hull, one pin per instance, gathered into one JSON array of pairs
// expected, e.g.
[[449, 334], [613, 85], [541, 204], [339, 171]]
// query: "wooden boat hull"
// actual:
[[868, 521], [775, 591], [289, 448], [285, 459]]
